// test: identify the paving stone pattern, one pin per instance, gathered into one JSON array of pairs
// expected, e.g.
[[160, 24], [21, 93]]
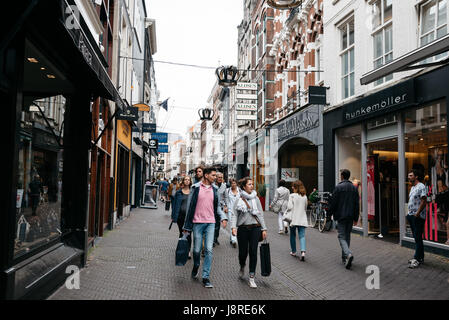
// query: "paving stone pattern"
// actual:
[[136, 261]]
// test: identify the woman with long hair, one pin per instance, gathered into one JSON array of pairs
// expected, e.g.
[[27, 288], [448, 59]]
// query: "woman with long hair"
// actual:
[[297, 204], [248, 217], [179, 206]]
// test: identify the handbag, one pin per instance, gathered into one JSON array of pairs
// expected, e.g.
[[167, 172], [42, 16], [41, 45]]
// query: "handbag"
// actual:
[[255, 217], [182, 250], [287, 216], [265, 259], [276, 207]]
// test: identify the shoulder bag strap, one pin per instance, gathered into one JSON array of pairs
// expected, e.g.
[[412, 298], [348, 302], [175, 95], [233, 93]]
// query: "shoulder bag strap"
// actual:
[[254, 215]]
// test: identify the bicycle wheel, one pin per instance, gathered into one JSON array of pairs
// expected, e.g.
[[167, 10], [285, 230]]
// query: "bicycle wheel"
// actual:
[[321, 220], [313, 217]]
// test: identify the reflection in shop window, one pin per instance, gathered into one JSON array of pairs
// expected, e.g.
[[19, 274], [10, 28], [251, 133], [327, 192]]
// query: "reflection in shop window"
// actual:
[[349, 157], [426, 150], [39, 183]]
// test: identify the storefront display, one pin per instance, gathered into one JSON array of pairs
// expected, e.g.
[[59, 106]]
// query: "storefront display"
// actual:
[[426, 150]]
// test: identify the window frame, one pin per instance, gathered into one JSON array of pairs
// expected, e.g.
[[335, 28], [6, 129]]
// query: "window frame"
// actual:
[[346, 52], [434, 30]]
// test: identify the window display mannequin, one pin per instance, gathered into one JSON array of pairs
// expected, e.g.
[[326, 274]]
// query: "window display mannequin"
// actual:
[[439, 168], [442, 200]]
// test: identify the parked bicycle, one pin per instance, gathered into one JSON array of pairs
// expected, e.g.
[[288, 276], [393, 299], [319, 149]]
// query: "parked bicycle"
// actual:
[[319, 212]]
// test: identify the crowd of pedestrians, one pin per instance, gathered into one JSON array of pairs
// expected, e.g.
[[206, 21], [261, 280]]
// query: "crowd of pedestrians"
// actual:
[[201, 207]]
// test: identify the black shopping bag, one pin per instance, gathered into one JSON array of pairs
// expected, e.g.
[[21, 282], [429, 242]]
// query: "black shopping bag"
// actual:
[[182, 251], [265, 259], [167, 205]]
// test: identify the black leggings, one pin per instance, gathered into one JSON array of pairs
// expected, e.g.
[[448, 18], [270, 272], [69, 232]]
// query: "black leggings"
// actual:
[[248, 238], [180, 223]]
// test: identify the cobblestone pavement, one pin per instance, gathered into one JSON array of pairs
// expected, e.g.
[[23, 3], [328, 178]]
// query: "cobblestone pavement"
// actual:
[[137, 261]]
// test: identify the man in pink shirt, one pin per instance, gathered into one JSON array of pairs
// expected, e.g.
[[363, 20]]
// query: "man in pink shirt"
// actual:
[[202, 213]]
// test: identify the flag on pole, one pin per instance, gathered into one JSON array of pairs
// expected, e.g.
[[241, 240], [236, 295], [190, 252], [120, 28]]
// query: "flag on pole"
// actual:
[[164, 104]]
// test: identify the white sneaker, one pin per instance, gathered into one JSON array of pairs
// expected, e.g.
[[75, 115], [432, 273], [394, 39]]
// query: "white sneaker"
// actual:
[[241, 273], [252, 283]]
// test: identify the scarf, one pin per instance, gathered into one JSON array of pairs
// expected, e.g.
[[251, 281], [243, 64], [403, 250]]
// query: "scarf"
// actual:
[[252, 201]]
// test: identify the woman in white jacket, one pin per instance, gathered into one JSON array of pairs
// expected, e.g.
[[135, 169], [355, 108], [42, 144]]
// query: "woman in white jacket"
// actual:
[[280, 202], [297, 205]]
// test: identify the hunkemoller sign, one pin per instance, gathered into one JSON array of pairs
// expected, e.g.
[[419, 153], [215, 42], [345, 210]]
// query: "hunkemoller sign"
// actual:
[[387, 100]]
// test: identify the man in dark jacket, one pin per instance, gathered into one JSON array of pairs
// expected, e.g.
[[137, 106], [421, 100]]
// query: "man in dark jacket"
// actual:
[[345, 209]]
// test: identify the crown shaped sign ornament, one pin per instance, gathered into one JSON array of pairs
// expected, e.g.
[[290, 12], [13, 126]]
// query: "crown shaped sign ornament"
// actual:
[[206, 114], [284, 4], [227, 76]]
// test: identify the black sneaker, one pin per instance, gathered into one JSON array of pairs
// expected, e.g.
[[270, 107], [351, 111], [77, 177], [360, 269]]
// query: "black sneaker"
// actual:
[[217, 243], [234, 244], [195, 272], [349, 261], [286, 230], [207, 283]]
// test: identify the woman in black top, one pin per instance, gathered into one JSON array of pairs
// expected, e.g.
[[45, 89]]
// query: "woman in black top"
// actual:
[[179, 207]]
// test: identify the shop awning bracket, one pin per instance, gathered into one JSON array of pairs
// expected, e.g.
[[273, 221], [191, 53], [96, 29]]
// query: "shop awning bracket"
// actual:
[[12, 33], [105, 127], [48, 125]]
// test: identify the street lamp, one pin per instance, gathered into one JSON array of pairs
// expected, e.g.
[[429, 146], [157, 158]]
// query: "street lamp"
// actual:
[[284, 4], [206, 114], [227, 76]]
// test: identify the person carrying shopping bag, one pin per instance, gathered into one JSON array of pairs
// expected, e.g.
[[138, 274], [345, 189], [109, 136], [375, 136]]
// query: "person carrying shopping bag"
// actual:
[[231, 196], [179, 207], [248, 217], [297, 212], [279, 205]]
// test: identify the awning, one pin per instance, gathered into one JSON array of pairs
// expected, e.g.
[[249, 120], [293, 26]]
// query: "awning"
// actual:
[[407, 61], [83, 40]]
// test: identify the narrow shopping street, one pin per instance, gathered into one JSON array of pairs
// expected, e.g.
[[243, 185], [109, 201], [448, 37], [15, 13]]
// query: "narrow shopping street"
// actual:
[[137, 261]]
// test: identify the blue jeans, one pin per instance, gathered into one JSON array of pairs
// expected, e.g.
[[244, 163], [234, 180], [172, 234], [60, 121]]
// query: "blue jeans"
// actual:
[[417, 226], [199, 231], [301, 235]]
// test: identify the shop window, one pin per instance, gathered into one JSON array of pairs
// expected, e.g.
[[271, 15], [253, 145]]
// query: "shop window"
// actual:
[[39, 175], [349, 157], [427, 151]]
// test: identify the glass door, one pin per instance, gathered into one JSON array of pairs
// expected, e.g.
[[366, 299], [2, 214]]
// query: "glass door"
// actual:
[[383, 188]]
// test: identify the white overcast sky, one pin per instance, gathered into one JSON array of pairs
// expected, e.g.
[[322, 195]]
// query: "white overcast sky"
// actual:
[[201, 32]]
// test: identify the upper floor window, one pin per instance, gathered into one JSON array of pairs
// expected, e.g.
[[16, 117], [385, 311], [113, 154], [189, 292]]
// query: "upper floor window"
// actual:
[[347, 59], [433, 23], [382, 35]]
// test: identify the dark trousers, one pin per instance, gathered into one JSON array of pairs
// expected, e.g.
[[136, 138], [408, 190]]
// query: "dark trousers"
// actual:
[[35, 198], [344, 228], [248, 240], [180, 223], [217, 231], [417, 226]]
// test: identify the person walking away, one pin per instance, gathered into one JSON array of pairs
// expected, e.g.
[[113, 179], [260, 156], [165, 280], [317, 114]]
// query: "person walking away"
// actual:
[[35, 189], [222, 208], [416, 216], [179, 207], [280, 200], [345, 209], [231, 196], [202, 213], [164, 189], [248, 217], [297, 204]]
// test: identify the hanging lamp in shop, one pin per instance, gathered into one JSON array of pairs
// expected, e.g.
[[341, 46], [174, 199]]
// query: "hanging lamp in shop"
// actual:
[[284, 4]]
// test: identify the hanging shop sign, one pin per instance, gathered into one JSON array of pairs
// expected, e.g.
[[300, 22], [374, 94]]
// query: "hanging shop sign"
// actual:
[[390, 99], [246, 96], [246, 117], [162, 137], [246, 107], [290, 174], [130, 114], [298, 123], [317, 95], [162, 148], [153, 144], [149, 127], [246, 86]]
